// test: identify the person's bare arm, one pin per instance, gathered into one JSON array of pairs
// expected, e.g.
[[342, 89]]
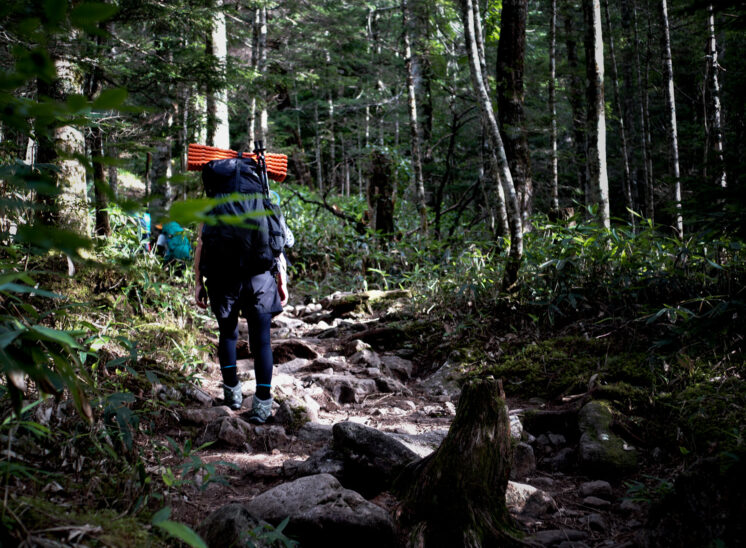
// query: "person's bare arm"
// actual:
[[200, 295]]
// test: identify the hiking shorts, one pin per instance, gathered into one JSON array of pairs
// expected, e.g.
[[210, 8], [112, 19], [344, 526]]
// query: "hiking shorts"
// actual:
[[247, 296]]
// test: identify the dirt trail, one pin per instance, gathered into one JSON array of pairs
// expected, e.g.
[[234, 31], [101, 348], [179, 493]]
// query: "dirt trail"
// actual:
[[323, 363]]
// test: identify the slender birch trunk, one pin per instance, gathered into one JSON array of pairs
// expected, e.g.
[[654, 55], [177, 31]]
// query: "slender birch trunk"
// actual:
[[488, 115], [161, 188], [217, 100], [332, 144], [553, 105], [626, 182], [263, 133], [251, 122], [317, 141], [673, 137], [596, 128], [492, 166], [418, 182], [715, 126]]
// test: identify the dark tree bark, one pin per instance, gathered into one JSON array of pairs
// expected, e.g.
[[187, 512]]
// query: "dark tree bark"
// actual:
[[456, 495], [511, 52], [381, 195], [101, 198], [575, 98], [553, 106]]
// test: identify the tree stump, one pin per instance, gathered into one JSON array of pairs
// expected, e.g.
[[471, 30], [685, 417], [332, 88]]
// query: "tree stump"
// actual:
[[456, 495]]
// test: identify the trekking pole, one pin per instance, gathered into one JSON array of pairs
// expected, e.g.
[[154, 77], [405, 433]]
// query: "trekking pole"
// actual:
[[261, 161]]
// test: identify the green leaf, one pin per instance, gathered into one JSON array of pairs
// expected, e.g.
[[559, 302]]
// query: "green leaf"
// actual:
[[50, 237], [110, 99], [54, 335], [161, 515], [19, 288], [183, 533], [90, 13]]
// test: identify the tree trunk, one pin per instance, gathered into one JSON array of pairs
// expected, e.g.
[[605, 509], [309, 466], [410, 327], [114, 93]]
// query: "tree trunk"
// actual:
[[101, 198], [714, 127], [317, 141], [575, 98], [626, 184], [381, 195], [644, 123], [469, 12], [456, 495], [332, 145], [596, 121], [673, 136], [261, 66], [161, 189], [418, 182], [629, 99], [218, 133], [553, 106], [61, 147], [113, 152], [511, 52]]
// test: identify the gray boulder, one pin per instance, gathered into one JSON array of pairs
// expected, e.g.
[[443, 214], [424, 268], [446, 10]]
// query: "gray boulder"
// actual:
[[230, 430], [524, 461], [551, 537], [600, 451], [203, 415], [229, 525], [344, 388], [397, 367], [294, 412], [527, 500], [597, 488], [324, 461], [372, 458], [323, 513]]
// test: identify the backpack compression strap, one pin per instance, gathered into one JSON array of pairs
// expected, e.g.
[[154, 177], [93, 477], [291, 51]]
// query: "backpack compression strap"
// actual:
[[199, 155]]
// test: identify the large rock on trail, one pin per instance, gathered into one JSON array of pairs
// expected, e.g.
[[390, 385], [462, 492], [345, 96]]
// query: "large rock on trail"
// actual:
[[323, 513], [600, 451], [230, 430], [344, 388], [445, 381], [372, 458], [229, 526]]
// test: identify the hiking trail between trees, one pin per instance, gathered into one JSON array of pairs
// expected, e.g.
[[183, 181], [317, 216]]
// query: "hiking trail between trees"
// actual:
[[352, 407]]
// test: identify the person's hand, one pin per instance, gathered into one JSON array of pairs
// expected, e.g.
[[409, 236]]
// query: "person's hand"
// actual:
[[200, 295], [282, 281]]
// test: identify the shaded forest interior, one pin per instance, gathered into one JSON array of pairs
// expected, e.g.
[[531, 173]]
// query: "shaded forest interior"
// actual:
[[556, 186]]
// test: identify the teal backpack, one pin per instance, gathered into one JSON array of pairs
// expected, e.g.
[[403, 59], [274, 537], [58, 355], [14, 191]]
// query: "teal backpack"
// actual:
[[178, 244]]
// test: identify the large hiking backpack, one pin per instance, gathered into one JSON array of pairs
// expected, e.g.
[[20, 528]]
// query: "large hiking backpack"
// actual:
[[177, 244], [250, 232]]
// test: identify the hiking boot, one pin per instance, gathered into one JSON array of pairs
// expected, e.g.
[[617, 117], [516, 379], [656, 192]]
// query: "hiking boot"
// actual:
[[232, 396], [261, 410]]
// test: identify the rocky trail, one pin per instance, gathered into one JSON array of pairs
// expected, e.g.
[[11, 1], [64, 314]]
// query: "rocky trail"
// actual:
[[352, 408]]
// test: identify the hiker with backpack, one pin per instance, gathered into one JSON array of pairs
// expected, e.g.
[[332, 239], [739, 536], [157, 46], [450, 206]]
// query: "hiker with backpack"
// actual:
[[242, 265]]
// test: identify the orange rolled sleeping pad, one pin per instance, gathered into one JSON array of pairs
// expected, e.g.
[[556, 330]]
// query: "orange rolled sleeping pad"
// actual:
[[199, 155]]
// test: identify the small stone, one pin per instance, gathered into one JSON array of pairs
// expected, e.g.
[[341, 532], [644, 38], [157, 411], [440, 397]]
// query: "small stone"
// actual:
[[542, 440], [355, 346], [555, 536], [516, 428], [598, 488], [595, 522], [409, 404], [450, 408], [528, 500], [373, 372], [563, 460], [524, 461], [629, 507], [595, 502], [315, 432], [558, 440]]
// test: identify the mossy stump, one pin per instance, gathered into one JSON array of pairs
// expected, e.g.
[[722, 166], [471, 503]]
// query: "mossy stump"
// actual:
[[456, 495]]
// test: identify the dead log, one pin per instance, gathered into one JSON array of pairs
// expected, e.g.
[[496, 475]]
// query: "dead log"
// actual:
[[456, 495]]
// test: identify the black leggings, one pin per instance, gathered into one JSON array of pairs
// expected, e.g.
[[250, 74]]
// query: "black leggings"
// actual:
[[259, 343]]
